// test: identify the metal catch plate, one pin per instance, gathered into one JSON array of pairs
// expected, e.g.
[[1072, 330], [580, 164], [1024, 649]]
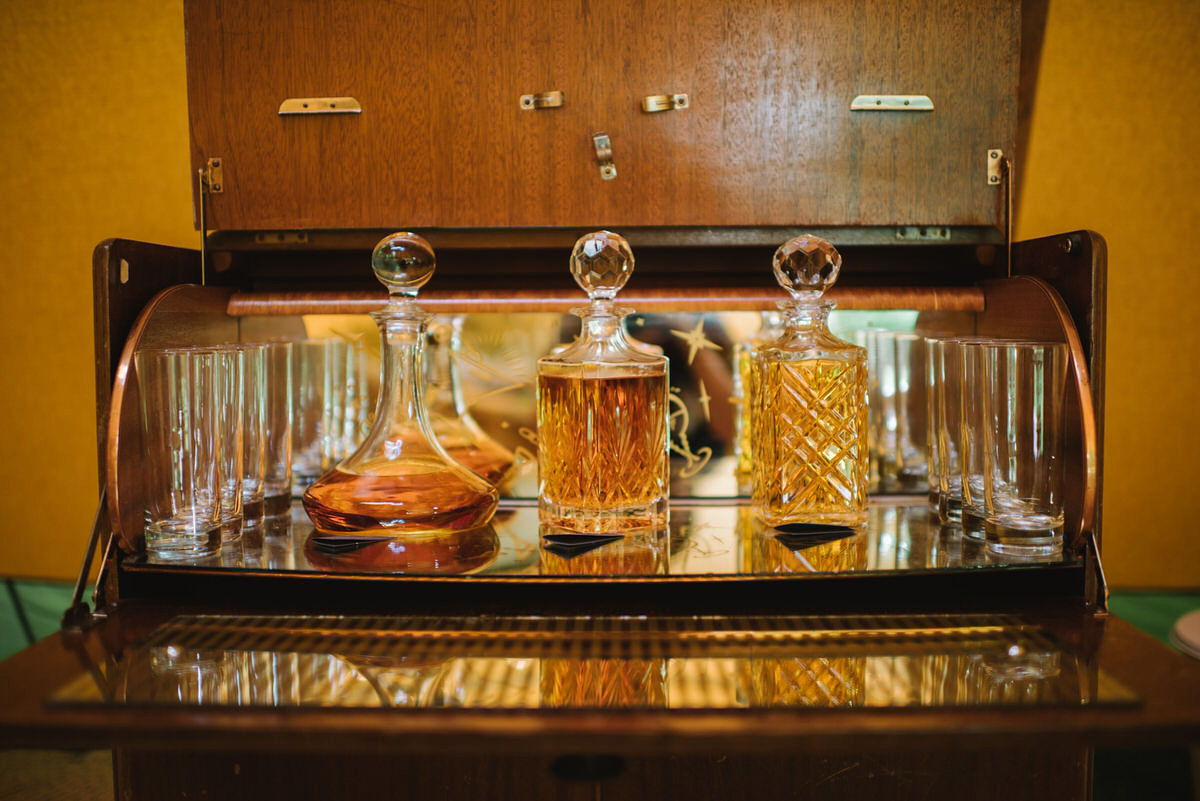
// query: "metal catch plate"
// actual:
[[654, 103], [552, 99], [320, 105], [891, 103]]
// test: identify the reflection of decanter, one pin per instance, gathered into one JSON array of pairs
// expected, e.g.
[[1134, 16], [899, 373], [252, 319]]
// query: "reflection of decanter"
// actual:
[[809, 414], [602, 410], [623, 683], [456, 430], [399, 482], [770, 327], [635, 552]]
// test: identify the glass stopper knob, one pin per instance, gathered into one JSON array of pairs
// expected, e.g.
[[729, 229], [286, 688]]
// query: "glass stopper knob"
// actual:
[[807, 265], [403, 262], [601, 263]]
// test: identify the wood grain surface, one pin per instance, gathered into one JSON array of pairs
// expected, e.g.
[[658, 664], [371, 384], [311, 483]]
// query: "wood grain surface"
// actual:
[[442, 140]]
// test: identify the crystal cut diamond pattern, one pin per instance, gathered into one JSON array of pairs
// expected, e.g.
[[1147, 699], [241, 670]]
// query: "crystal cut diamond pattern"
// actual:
[[813, 435]]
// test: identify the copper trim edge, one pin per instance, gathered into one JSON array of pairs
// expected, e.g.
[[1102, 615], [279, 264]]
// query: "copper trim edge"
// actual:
[[243, 304], [1087, 411], [123, 414]]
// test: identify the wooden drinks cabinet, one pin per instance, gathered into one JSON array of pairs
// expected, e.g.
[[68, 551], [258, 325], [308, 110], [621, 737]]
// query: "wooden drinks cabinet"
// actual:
[[901, 662]]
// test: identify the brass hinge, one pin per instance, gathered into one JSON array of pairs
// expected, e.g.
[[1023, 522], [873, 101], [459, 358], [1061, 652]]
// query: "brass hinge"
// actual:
[[212, 176], [995, 166]]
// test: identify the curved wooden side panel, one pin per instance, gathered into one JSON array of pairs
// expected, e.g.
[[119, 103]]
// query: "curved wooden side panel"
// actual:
[[1024, 306], [185, 314]]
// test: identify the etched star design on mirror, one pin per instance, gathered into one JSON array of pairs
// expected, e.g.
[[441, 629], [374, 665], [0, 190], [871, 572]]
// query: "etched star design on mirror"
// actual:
[[695, 340]]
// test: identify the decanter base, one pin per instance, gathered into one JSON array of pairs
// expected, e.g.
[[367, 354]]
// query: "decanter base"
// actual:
[[593, 520]]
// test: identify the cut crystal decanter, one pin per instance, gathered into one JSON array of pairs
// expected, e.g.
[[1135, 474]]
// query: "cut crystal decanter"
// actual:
[[399, 483], [602, 410], [809, 402]]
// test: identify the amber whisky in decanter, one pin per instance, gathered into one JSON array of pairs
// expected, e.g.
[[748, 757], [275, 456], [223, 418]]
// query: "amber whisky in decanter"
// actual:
[[399, 484], [602, 410], [809, 402]]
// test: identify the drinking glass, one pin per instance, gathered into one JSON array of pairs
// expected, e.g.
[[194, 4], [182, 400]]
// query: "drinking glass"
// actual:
[[1023, 478], [229, 363], [947, 403], [180, 409], [254, 433], [277, 445], [971, 439]]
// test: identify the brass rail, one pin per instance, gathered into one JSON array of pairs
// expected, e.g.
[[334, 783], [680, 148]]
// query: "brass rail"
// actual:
[[243, 304]]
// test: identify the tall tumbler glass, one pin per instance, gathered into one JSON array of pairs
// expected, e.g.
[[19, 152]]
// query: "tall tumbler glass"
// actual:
[[972, 446], [254, 434], [179, 415], [881, 406], [1023, 480], [932, 449], [311, 424], [896, 410], [911, 438], [277, 447], [230, 362], [947, 389]]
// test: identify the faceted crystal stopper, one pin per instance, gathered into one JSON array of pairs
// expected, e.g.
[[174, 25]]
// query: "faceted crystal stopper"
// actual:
[[403, 262], [601, 263], [807, 266]]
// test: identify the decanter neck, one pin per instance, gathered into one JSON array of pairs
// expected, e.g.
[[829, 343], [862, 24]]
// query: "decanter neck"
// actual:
[[806, 314], [601, 320], [401, 388]]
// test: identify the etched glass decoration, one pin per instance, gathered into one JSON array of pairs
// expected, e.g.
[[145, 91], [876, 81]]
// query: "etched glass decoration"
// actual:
[[456, 429]]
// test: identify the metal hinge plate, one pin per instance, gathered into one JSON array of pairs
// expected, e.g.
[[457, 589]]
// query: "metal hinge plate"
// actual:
[[212, 176], [995, 166]]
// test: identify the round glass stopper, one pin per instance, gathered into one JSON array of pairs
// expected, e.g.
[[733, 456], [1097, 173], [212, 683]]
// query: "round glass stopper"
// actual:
[[403, 262], [601, 263], [807, 265]]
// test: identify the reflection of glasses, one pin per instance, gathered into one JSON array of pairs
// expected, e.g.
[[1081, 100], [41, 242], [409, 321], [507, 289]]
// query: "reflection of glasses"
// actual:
[[666, 662]]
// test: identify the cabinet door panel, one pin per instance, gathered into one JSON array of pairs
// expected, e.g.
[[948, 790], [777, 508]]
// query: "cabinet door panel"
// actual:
[[442, 141]]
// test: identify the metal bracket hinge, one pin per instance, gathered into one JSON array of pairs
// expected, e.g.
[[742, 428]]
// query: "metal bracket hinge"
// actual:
[[212, 177], [604, 158]]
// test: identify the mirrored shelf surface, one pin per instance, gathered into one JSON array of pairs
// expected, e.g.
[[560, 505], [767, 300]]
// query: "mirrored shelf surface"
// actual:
[[705, 537]]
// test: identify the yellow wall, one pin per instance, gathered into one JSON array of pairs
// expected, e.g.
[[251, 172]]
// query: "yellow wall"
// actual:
[[93, 144], [1114, 148]]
